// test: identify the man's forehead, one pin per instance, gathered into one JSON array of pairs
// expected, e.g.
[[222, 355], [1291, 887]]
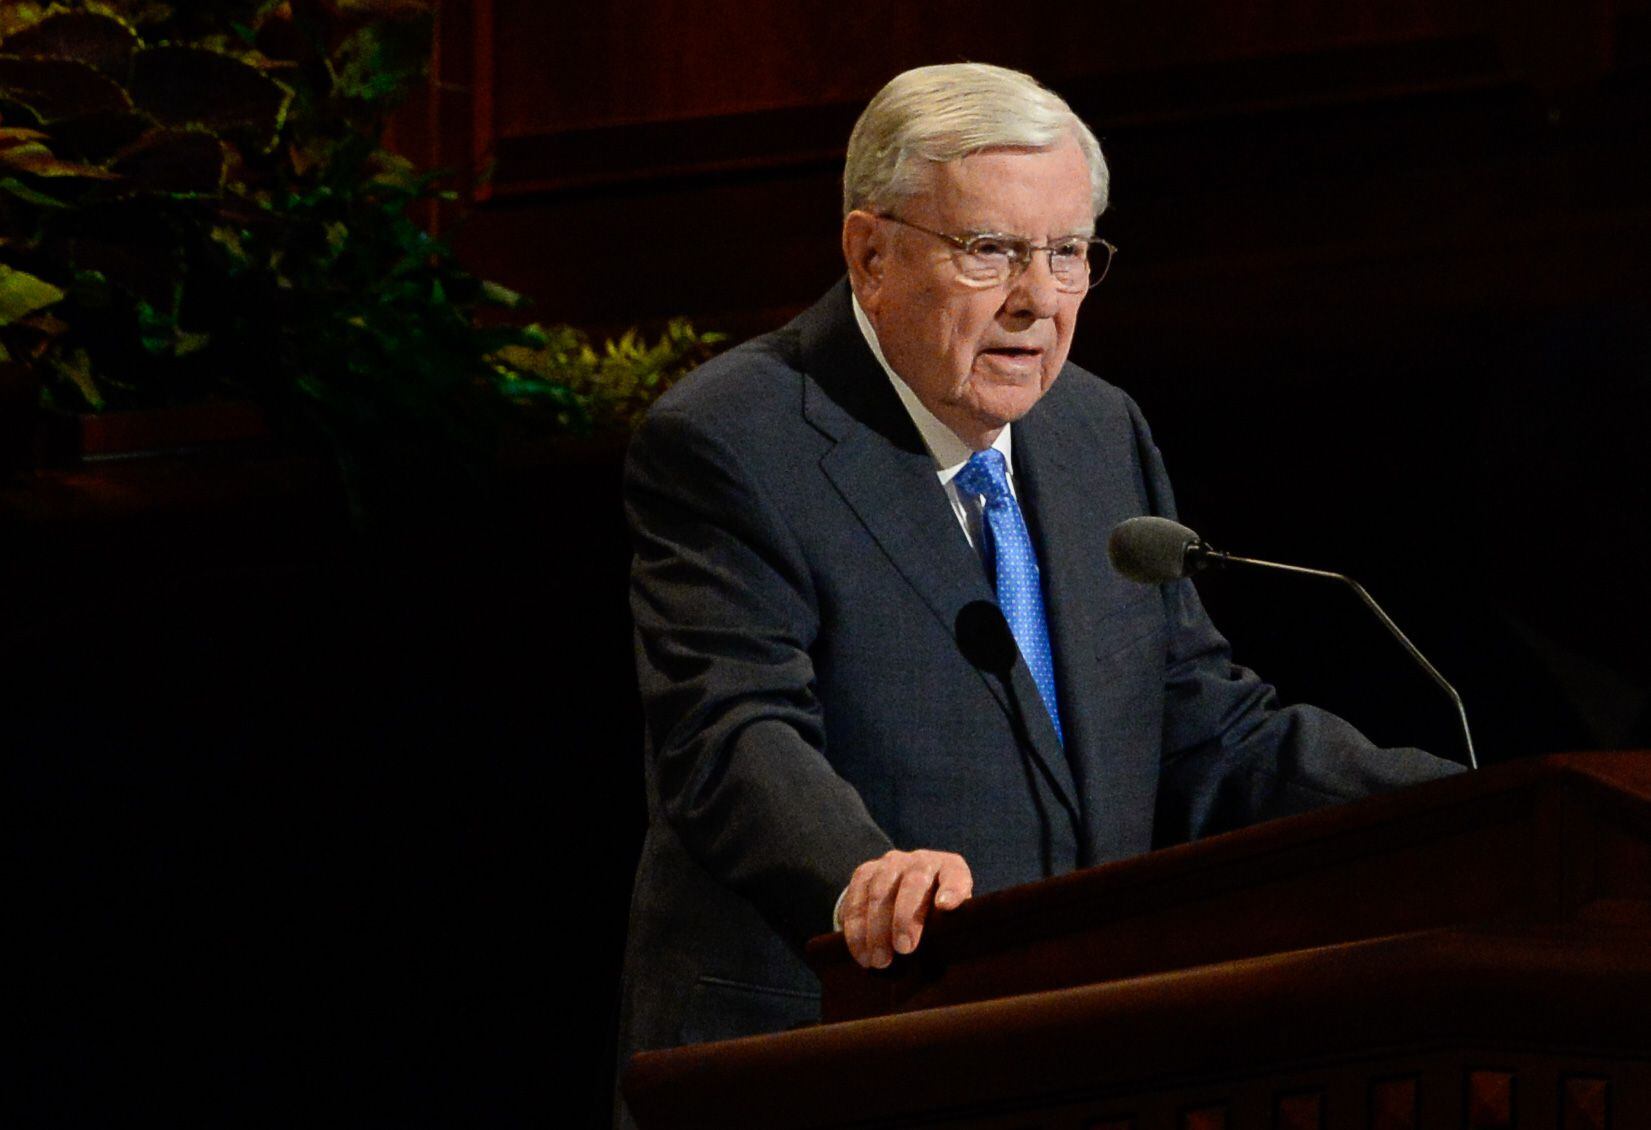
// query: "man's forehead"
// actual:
[[1012, 190]]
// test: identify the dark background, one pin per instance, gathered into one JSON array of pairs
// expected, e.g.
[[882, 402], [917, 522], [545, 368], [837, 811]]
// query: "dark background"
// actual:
[[316, 826]]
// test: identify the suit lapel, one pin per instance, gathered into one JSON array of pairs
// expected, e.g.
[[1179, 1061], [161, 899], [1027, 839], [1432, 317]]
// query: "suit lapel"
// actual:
[[879, 464], [884, 472], [1071, 515]]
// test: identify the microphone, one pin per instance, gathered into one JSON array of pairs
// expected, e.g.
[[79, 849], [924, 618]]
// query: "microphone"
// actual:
[[984, 637], [1154, 550], [1151, 549]]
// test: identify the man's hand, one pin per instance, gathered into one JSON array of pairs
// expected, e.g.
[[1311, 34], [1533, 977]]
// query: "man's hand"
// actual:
[[889, 898]]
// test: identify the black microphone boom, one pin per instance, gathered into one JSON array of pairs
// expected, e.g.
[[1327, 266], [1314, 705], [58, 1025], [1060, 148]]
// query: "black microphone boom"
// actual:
[[1156, 550]]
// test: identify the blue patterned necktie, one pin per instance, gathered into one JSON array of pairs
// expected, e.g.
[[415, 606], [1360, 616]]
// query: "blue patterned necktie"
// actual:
[[1007, 549]]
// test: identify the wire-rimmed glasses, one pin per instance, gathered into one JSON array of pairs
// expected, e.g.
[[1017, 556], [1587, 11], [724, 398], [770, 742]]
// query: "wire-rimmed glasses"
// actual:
[[1077, 263]]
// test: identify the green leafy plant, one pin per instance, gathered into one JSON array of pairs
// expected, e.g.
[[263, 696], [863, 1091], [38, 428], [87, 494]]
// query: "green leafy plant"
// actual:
[[614, 384], [195, 203]]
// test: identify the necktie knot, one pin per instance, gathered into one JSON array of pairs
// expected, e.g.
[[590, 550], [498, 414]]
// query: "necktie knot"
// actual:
[[985, 474]]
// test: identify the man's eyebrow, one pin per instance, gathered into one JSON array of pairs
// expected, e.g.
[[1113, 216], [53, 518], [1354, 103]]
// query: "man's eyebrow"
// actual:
[[1077, 233]]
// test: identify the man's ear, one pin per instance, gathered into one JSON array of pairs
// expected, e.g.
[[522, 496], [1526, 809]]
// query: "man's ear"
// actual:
[[865, 247]]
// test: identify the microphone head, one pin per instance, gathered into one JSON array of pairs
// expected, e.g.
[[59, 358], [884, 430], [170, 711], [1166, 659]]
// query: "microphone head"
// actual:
[[1150, 549], [984, 637]]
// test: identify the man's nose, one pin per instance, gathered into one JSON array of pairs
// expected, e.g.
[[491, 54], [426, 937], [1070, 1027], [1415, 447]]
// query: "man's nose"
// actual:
[[1032, 293]]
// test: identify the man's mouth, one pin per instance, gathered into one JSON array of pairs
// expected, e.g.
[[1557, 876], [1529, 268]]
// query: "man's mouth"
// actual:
[[1012, 351]]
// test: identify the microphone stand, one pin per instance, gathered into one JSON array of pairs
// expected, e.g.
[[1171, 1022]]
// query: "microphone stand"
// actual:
[[1202, 556]]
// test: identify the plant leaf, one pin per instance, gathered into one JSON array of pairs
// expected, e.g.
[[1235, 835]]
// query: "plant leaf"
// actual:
[[230, 240], [60, 88], [100, 40], [191, 86], [46, 324], [17, 15], [496, 294], [145, 271], [385, 9], [34, 158], [279, 37], [378, 62], [21, 294], [97, 137], [77, 369], [174, 162], [23, 192]]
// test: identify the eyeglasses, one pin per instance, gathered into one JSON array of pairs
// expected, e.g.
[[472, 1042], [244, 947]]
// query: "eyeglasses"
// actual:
[[987, 259]]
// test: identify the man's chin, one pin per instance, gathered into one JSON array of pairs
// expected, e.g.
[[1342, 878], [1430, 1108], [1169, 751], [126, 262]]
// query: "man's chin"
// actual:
[[1005, 408]]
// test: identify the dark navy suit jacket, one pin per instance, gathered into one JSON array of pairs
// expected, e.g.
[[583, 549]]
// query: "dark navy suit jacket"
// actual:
[[797, 587]]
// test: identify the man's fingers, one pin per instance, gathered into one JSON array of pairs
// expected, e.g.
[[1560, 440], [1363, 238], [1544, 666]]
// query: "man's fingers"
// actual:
[[911, 907], [954, 883], [888, 900], [946, 887], [853, 917], [881, 887], [866, 911]]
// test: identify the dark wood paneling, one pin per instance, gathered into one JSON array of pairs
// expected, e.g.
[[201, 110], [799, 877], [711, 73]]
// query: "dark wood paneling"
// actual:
[[637, 90], [660, 60], [614, 138]]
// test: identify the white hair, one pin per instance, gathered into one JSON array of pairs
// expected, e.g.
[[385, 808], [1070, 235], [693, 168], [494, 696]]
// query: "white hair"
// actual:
[[930, 115]]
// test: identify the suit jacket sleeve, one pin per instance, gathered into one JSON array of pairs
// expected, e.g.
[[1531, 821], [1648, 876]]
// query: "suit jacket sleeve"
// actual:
[[725, 617], [1232, 754]]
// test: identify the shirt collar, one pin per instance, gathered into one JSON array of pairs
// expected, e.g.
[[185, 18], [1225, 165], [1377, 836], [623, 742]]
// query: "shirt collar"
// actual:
[[949, 452]]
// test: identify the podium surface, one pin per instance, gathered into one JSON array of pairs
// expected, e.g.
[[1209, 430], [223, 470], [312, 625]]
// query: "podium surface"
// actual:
[[1474, 952]]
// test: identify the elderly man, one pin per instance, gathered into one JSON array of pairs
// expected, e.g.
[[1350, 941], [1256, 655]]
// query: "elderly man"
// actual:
[[825, 519]]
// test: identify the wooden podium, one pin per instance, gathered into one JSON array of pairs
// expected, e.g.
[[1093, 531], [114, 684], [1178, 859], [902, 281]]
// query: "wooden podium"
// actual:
[[1471, 954]]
